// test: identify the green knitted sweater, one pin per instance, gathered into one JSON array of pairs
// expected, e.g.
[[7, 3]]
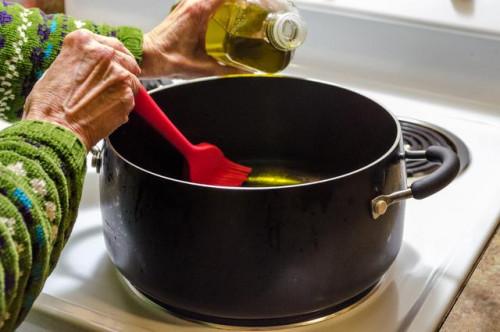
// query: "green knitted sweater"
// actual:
[[41, 165]]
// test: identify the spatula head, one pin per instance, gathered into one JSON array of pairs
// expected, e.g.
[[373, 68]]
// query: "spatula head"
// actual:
[[208, 165]]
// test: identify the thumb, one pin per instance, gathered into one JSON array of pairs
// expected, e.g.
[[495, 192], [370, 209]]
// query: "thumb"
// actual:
[[135, 84]]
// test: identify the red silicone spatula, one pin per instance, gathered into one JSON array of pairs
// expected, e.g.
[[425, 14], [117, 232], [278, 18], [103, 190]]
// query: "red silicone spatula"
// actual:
[[206, 162]]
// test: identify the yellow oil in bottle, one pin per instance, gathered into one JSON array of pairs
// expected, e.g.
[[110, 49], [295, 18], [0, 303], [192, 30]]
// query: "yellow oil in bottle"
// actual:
[[236, 35]]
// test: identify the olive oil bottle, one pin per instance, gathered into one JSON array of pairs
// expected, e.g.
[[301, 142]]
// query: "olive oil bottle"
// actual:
[[255, 35]]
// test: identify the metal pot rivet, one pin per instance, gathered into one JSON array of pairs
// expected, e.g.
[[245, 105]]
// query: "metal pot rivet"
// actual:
[[381, 207], [96, 158]]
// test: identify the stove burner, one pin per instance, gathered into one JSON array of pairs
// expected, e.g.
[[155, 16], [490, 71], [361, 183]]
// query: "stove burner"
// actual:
[[418, 135], [264, 324]]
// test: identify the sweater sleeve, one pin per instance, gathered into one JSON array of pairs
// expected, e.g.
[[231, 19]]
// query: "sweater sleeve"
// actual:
[[41, 176], [29, 43]]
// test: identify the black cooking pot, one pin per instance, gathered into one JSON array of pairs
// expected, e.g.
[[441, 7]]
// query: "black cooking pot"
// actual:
[[262, 255]]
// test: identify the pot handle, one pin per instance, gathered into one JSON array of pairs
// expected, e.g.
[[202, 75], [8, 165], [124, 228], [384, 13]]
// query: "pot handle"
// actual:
[[440, 178]]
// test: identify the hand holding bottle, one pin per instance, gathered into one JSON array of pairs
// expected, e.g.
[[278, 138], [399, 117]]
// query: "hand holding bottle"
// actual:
[[218, 37], [176, 47]]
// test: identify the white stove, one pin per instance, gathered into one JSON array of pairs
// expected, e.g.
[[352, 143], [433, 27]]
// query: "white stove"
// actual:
[[438, 75]]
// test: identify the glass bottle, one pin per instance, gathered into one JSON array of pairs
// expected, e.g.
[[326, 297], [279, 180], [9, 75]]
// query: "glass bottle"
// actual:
[[255, 35]]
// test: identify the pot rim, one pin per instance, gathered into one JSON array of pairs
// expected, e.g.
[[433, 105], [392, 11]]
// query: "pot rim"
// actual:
[[395, 144]]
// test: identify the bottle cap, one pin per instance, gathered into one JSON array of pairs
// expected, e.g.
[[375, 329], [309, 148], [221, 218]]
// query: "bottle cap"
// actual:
[[288, 31]]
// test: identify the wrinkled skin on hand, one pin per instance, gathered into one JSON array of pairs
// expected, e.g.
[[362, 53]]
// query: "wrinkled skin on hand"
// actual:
[[176, 47], [88, 89]]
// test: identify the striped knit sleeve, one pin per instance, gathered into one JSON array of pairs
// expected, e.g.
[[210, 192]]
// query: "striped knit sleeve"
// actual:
[[29, 43], [41, 177]]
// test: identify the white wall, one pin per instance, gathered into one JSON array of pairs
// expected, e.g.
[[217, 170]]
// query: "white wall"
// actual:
[[143, 14]]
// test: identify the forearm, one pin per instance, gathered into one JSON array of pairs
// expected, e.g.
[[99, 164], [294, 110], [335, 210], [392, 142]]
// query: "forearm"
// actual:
[[29, 44], [41, 175]]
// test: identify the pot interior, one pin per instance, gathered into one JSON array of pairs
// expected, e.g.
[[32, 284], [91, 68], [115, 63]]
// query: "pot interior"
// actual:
[[288, 129]]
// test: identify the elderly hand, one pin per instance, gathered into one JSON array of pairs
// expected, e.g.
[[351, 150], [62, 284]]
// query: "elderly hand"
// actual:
[[89, 88], [176, 47]]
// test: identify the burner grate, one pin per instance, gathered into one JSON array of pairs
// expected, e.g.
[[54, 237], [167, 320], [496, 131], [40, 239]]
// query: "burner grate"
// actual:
[[419, 135]]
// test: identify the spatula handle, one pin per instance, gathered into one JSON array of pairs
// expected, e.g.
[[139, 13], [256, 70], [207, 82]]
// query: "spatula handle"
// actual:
[[147, 108]]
